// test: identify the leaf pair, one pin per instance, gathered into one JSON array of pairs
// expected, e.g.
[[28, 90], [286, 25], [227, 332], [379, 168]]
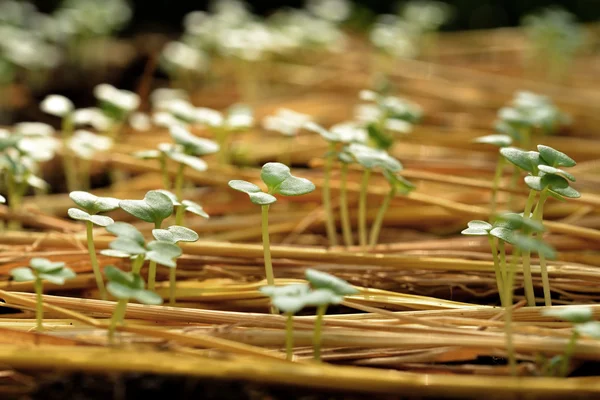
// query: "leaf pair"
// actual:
[[188, 205], [371, 158], [154, 208], [124, 285], [44, 269]]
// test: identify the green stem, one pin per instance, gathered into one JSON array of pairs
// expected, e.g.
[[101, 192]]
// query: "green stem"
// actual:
[[152, 267], [508, 295], [496, 183], [289, 337], [376, 228], [179, 215], [164, 172], [14, 200], [527, 278], [118, 315], [318, 331], [362, 208], [344, 214], [497, 269], [94, 260], [172, 285], [137, 264], [39, 307], [68, 158], [84, 174], [503, 269], [329, 222], [564, 366], [513, 185], [179, 182], [538, 215], [267, 249], [221, 135]]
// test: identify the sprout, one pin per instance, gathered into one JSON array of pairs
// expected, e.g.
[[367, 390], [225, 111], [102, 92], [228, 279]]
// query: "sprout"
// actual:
[[125, 286], [279, 180], [86, 145], [39, 270], [154, 208], [57, 105], [140, 121], [92, 206], [330, 10], [288, 123], [93, 117], [183, 61], [117, 104]]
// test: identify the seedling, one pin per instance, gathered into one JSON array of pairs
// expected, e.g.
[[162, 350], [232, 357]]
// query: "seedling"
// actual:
[[117, 104], [185, 205], [289, 299], [40, 270], [369, 159], [174, 234], [327, 289], [345, 159], [288, 123], [86, 145], [279, 180], [338, 134], [92, 206], [125, 286], [130, 243]]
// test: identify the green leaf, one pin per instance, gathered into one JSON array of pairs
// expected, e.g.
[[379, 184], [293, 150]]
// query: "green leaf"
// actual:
[[527, 243], [279, 179], [147, 154], [193, 144], [372, 158], [115, 253], [194, 208], [398, 183], [379, 137], [116, 275], [119, 290], [45, 265], [148, 297], [155, 207], [568, 192], [22, 274], [288, 304], [126, 245], [174, 234], [514, 221], [591, 328], [575, 314], [294, 290], [193, 162], [496, 140], [127, 231], [556, 171], [94, 204], [81, 215], [477, 228], [58, 277], [526, 160], [319, 297], [253, 191], [323, 280], [171, 196], [163, 253], [504, 234], [554, 157]]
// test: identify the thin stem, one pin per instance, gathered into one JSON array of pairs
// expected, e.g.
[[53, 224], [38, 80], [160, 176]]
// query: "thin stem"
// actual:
[[344, 214], [376, 228], [512, 359], [84, 174], [362, 208], [221, 135], [69, 167], [564, 366], [172, 285], [164, 172], [179, 214], [503, 269], [14, 200], [152, 267], [496, 183], [94, 259], [289, 337], [179, 182], [497, 269], [513, 185], [527, 278], [39, 307], [318, 331], [117, 317], [267, 249], [538, 215], [137, 264], [329, 222], [285, 156]]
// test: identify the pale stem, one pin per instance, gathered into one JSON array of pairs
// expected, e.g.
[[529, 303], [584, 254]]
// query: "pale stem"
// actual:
[[318, 331], [39, 307], [513, 185], [94, 259], [137, 264], [527, 279], [289, 336], [538, 215], [117, 317], [179, 215], [68, 159], [344, 214], [179, 182], [362, 208], [564, 366], [329, 222], [497, 269], [172, 285], [376, 228], [152, 267], [496, 183], [164, 172], [512, 359], [84, 173]]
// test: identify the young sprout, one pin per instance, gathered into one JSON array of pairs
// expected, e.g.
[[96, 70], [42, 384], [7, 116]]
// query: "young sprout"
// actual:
[[125, 286], [582, 319], [288, 123], [327, 289], [130, 244], [174, 234], [289, 299], [338, 134], [279, 180], [117, 104], [92, 205], [40, 270], [369, 159], [86, 145], [345, 159]]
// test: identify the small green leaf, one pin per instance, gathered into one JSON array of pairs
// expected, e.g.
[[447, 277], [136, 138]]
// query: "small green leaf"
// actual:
[[81, 215], [174, 234], [126, 230], [193, 144], [194, 208], [45, 265], [319, 297], [94, 204], [253, 191], [591, 328], [114, 274], [22, 274], [119, 290], [554, 157], [398, 183], [496, 140], [115, 253], [279, 179], [294, 290], [288, 304], [556, 171], [514, 221], [171, 196], [527, 243], [477, 228], [163, 253], [147, 154], [504, 234], [575, 314], [372, 158], [148, 297], [155, 207], [58, 277], [126, 245], [323, 280], [193, 162], [568, 192], [526, 160]]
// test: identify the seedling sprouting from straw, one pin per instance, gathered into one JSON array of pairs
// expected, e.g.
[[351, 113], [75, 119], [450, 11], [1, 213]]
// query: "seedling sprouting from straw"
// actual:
[[92, 205], [40, 270], [183, 206], [125, 286], [174, 234], [279, 180]]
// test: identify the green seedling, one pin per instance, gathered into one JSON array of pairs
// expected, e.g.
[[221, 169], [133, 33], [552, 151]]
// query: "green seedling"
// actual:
[[130, 243], [279, 180], [337, 135], [185, 205], [125, 286], [40, 270], [85, 145], [92, 205], [289, 299], [582, 319], [370, 159], [174, 234], [549, 180], [327, 289], [288, 123], [345, 160], [117, 105]]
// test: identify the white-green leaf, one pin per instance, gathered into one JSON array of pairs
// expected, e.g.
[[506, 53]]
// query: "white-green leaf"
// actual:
[[477, 228], [127, 245], [554, 157], [194, 208], [174, 234], [279, 179], [496, 140], [556, 171], [81, 215], [22, 274], [319, 297], [163, 253], [45, 265], [155, 207], [193, 162], [591, 328], [323, 280], [575, 314], [126, 230], [568, 192], [374, 158], [171, 196], [58, 277], [193, 144], [256, 195], [148, 297], [94, 204], [526, 160]]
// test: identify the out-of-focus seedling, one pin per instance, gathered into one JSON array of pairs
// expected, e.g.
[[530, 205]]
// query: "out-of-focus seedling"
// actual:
[[288, 123], [125, 286], [92, 205], [40, 270], [85, 145]]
